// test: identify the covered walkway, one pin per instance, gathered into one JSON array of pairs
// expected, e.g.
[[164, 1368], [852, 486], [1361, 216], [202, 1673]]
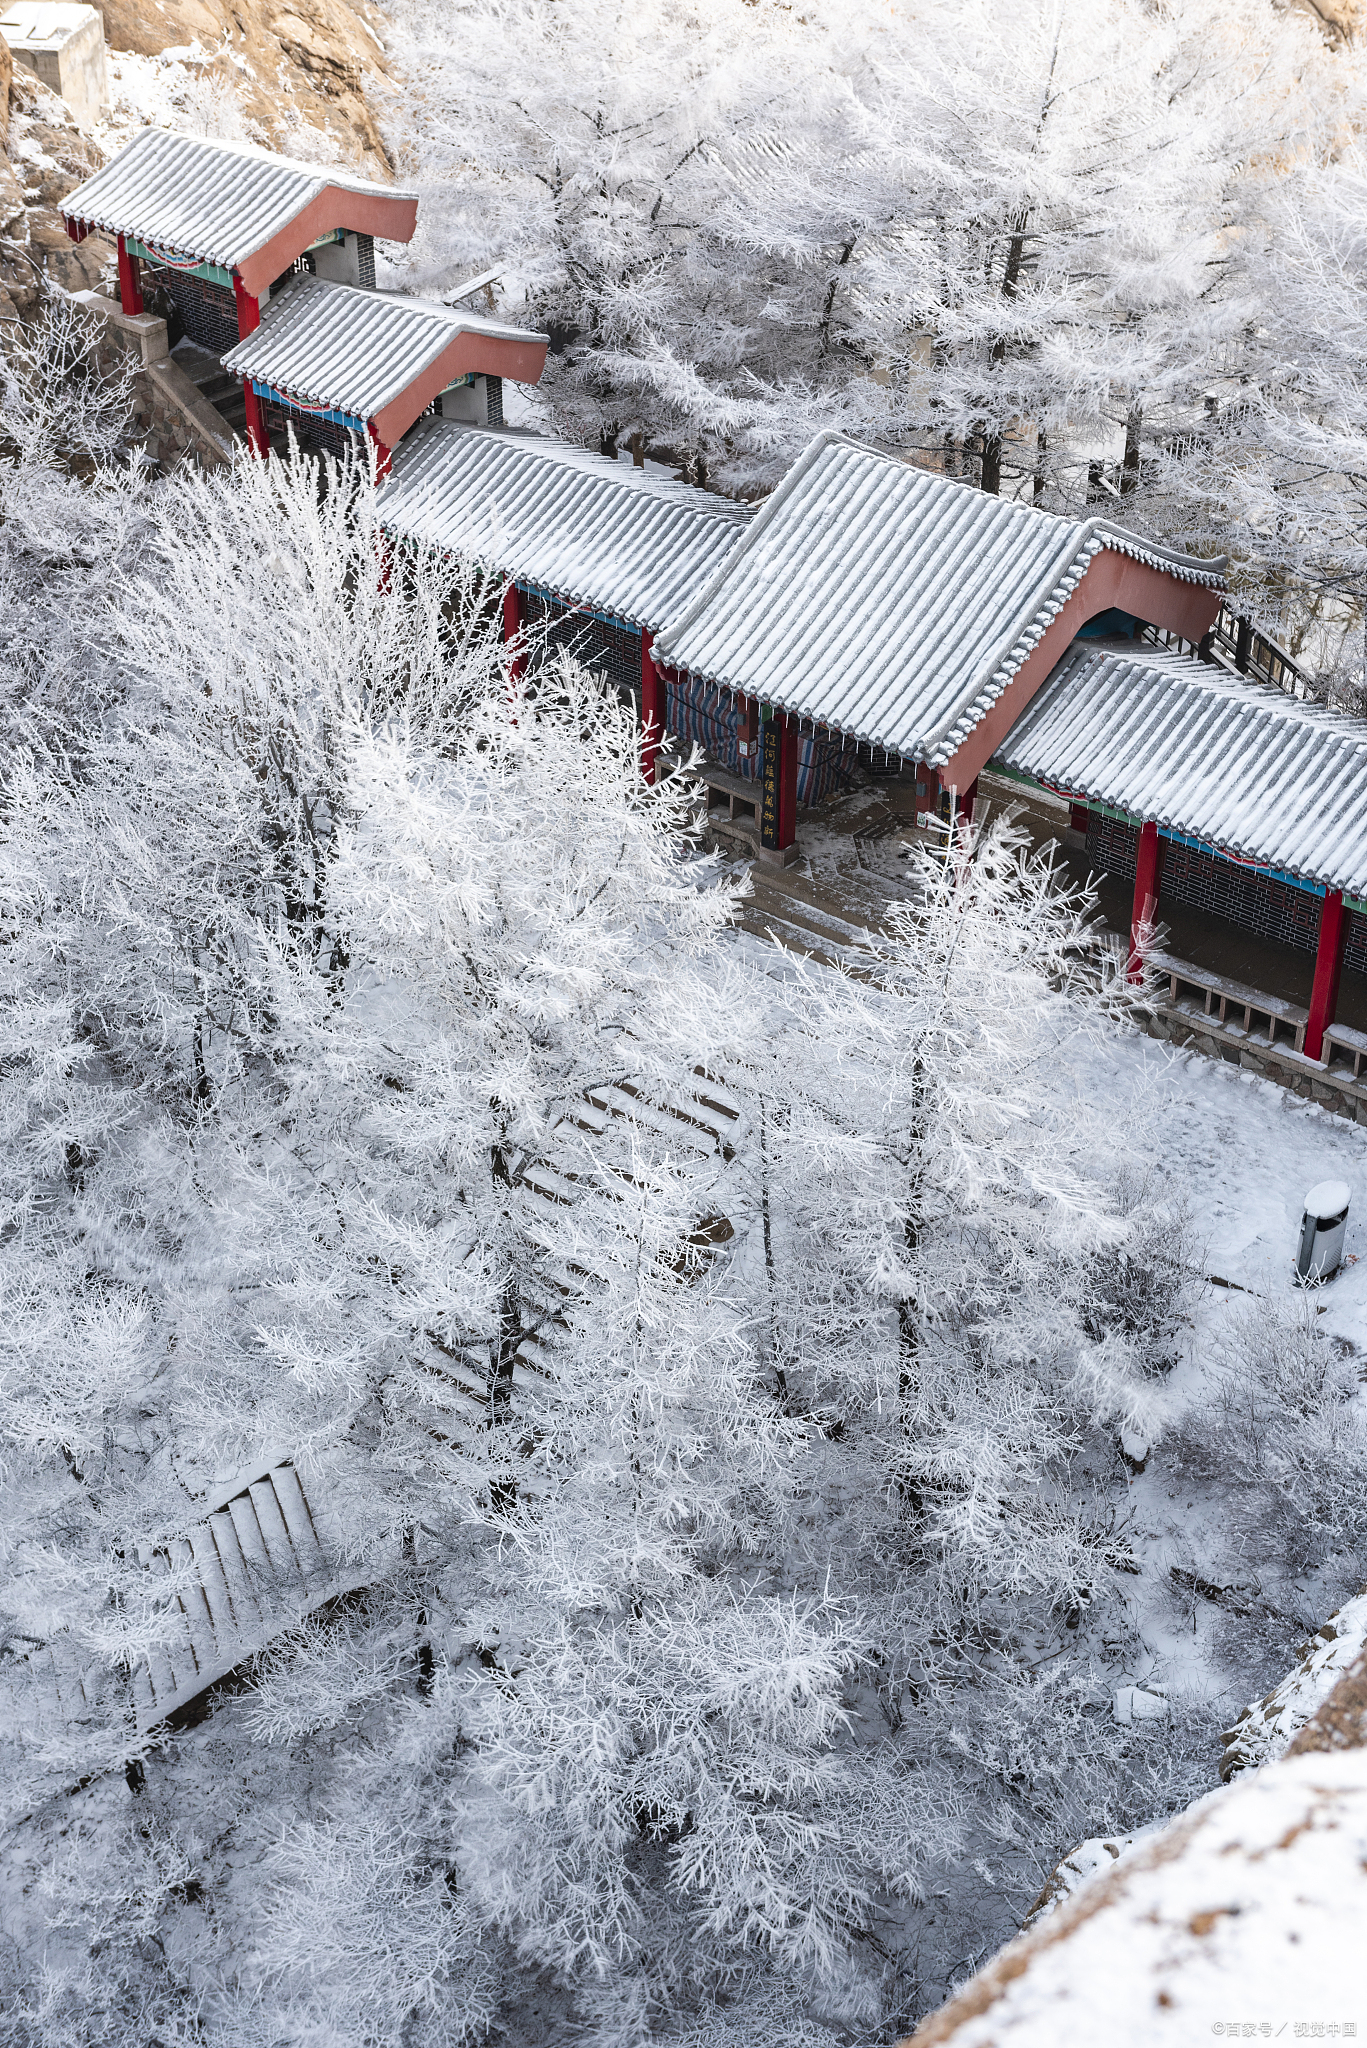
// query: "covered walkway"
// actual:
[[1215, 796]]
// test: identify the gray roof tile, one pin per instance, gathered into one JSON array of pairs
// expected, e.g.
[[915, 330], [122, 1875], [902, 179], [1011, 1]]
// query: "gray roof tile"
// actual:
[[332, 345], [890, 603], [215, 200], [603, 534], [1240, 765]]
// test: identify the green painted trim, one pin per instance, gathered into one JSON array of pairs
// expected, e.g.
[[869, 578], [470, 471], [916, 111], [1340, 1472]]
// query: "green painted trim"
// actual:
[[212, 273]]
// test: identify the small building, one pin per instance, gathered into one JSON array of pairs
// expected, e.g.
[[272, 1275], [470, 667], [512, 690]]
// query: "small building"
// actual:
[[873, 607], [337, 362], [219, 225], [62, 44], [598, 554]]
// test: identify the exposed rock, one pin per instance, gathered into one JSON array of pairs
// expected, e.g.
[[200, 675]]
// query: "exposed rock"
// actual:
[[48, 157], [1266, 1729], [1341, 20], [284, 62], [1096, 1854], [1242, 1915]]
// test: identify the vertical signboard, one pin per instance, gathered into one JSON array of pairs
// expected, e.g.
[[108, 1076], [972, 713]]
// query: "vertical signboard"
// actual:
[[771, 741]]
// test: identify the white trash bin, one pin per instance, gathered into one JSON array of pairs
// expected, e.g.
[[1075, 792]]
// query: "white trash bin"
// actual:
[[1324, 1226]]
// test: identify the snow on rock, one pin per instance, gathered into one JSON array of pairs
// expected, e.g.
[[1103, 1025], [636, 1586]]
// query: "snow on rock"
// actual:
[[1138, 1703], [1067, 1877], [1245, 1916], [1265, 1729], [292, 74], [43, 156]]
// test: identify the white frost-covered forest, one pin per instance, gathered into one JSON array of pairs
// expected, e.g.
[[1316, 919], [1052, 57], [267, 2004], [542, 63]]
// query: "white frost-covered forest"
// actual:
[[793, 1451]]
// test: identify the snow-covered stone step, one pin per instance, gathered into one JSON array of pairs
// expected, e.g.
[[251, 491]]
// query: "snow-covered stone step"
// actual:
[[298, 1521], [243, 1576]]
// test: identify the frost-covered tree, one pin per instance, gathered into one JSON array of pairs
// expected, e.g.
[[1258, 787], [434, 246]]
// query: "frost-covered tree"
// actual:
[[1282, 463], [716, 1379], [1000, 237]]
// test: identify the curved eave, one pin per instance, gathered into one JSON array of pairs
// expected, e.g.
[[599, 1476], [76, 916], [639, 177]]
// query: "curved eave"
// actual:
[[389, 217]]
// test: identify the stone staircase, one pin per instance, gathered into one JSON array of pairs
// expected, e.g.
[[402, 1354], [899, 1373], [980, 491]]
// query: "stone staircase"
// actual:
[[214, 384], [786, 905], [270, 1548], [253, 1567]]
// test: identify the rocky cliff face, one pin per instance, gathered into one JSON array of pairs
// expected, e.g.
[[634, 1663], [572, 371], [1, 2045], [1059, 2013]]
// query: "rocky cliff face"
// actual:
[[43, 156], [297, 72], [296, 75]]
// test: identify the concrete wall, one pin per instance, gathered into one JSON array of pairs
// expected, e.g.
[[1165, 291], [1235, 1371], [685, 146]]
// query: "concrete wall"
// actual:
[[63, 45]]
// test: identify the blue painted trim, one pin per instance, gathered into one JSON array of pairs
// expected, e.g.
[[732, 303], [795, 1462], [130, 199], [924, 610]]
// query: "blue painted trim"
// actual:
[[581, 611], [178, 262], [306, 412], [1184, 839], [1250, 867]]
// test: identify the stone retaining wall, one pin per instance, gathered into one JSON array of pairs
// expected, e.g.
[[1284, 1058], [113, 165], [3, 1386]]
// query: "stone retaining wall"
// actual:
[[1336, 1090], [171, 416]]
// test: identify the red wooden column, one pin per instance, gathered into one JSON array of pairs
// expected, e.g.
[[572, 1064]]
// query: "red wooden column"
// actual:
[[248, 320], [747, 732], [248, 309], [1077, 818], [512, 624], [384, 455], [258, 440], [652, 707], [790, 746], [130, 288], [1145, 895], [1324, 996]]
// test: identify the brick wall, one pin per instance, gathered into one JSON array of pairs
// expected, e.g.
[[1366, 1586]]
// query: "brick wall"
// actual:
[[208, 311], [324, 437], [611, 651], [1259, 903]]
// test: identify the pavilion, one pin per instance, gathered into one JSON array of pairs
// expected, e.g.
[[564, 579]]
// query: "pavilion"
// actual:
[[872, 603], [1229, 795], [596, 554], [219, 225], [335, 359]]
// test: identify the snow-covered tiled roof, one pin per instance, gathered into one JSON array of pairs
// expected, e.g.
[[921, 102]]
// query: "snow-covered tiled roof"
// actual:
[[890, 603], [223, 201], [603, 534], [334, 346], [1237, 764]]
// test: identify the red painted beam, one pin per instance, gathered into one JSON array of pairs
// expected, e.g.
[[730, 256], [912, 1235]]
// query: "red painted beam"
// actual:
[[385, 215], [1112, 579], [1145, 898], [520, 361], [1324, 996], [130, 292], [652, 708]]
